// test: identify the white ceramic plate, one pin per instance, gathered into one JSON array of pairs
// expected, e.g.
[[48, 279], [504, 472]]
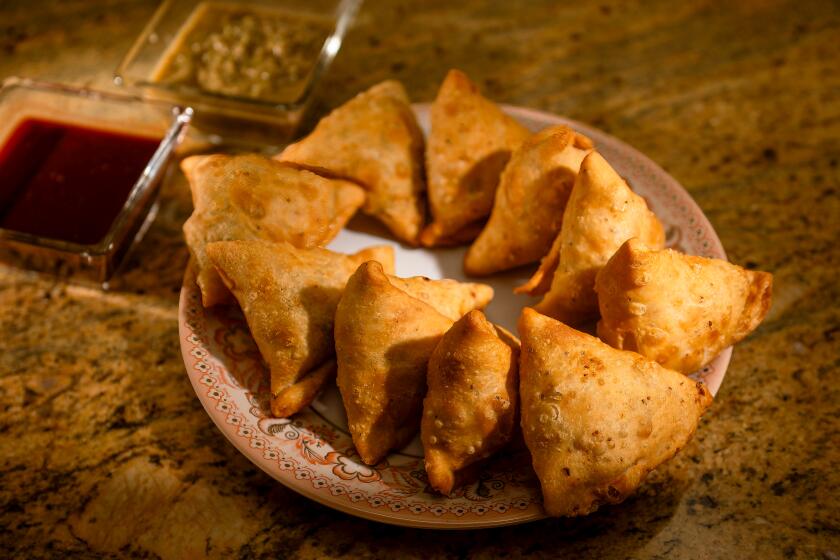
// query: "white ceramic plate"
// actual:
[[312, 453]]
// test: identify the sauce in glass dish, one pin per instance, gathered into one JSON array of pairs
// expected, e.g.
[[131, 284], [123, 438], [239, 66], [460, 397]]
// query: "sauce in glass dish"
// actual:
[[67, 181], [246, 51]]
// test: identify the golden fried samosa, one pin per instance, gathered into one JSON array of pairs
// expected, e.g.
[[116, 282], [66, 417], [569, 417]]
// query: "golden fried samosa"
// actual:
[[470, 409], [383, 339], [470, 143], [597, 420], [373, 139], [532, 195], [449, 297], [676, 309], [602, 213], [254, 197], [289, 297]]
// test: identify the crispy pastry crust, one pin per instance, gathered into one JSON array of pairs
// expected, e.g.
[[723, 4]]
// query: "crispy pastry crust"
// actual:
[[470, 142], [384, 337], [252, 197], [373, 139], [677, 309], [602, 213], [529, 204], [597, 420], [289, 297], [470, 409]]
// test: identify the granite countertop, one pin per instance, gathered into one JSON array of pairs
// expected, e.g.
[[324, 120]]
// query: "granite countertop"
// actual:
[[105, 450]]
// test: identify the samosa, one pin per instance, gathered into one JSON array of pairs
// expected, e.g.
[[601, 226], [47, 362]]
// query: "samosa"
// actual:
[[449, 297], [677, 309], [383, 340], [254, 197], [470, 142], [597, 420], [602, 213], [470, 409], [289, 297], [373, 139], [529, 204]]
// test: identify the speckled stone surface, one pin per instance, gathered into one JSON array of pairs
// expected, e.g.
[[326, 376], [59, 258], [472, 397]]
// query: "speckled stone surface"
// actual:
[[105, 451]]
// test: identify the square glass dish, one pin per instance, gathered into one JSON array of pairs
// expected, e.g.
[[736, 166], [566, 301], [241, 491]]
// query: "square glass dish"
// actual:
[[256, 61], [79, 174]]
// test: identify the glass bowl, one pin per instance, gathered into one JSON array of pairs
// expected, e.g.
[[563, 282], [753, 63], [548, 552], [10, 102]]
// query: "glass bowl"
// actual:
[[218, 57], [22, 99]]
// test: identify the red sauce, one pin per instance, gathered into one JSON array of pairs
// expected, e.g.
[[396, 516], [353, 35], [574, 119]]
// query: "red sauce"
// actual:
[[65, 181]]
